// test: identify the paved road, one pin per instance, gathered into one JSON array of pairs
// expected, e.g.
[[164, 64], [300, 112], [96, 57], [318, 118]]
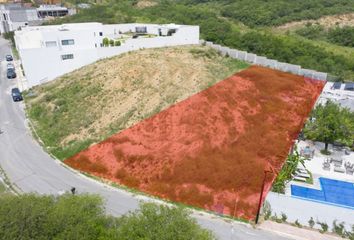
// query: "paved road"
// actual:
[[32, 170]]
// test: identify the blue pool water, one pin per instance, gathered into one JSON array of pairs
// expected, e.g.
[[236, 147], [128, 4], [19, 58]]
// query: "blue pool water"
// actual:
[[332, 191]]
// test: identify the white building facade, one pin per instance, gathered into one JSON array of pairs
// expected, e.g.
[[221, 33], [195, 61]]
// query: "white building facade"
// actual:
[[47, 52], [14, 16]]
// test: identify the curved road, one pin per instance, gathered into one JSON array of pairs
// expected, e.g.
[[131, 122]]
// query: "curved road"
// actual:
[[31, 169]]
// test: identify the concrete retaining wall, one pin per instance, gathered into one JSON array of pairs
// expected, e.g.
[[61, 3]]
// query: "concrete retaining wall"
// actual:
[[302, 210], [271, 63]]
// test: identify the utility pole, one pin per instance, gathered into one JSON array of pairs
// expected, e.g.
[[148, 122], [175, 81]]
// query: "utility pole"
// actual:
[[261, 195]]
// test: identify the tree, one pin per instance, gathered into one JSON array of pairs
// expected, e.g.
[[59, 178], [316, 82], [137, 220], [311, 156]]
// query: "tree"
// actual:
[[79, 217], [48, 217], [330, 123], [160, 222]]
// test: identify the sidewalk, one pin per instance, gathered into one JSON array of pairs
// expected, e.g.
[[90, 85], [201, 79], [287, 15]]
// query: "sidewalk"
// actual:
[[295, 232], [21, 79]]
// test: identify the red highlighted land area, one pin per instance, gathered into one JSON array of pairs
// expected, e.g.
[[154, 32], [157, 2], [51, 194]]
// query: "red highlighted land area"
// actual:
[[211, 150]]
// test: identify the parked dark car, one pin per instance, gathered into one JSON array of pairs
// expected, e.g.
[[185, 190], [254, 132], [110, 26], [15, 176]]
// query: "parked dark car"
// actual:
[[16, 95], [9, 58], [11, 73]]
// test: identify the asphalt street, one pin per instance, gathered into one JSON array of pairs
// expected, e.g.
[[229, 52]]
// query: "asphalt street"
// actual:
[[31, 169]]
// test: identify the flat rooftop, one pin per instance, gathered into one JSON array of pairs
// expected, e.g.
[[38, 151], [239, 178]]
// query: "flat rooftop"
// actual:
[[31, 36]]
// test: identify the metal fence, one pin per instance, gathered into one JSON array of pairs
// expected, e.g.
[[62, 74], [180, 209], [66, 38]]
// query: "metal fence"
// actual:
[[265, 62]]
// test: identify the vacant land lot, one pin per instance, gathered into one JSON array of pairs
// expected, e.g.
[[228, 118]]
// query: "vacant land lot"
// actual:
[[211, 150], [99, 100]]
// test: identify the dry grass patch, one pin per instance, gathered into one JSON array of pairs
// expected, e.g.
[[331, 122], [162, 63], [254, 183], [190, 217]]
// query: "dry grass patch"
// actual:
[[145, 3], [98, 100], [326, 21]]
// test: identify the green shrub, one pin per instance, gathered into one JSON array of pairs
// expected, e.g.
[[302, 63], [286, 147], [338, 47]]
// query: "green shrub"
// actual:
[[338, 228], [267, 210], [105, 42], [311, 222], [283, 217], [324, 227], [298, 224], [117, 43]]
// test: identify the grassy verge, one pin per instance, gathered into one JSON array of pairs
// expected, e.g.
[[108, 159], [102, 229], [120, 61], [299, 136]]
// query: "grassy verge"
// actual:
[[6, 187], [2, 188]]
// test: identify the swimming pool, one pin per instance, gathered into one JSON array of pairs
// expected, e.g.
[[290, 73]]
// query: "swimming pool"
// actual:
[[332, 192]]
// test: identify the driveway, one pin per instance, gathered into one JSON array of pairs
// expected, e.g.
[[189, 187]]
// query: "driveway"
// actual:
[[31, 169]]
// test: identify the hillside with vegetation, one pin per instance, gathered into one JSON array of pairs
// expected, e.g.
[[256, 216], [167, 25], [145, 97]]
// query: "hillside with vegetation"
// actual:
[[246, 25], [96, 101]]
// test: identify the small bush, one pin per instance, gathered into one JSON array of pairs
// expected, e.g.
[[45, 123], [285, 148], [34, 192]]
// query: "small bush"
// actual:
[[117, 43], [349, 234], [111, 42], [324, 227], [276, 219], [311, 222], [298, 224], [105, 42], [283, 217], [338, 228], [267, 210]]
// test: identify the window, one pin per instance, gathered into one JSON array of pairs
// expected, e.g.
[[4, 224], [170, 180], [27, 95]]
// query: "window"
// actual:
[[67, 42], [67, 56], [51, 44], [101, 34], [141, 30]]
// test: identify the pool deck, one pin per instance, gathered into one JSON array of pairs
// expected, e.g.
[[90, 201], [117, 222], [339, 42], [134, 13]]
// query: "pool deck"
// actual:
[[315, 164]]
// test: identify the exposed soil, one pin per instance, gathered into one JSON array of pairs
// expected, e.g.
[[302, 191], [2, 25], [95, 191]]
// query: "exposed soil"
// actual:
[[326, 21], [211, 150]]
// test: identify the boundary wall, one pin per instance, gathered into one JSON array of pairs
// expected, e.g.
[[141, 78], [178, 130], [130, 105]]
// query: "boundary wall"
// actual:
[[302, 210], [266, 62]]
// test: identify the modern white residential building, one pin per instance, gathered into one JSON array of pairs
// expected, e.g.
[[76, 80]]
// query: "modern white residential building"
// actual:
[[47, 52], [14, 15], [52, 11]]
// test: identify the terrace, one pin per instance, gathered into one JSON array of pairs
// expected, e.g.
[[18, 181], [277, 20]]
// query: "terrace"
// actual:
[[335, 170]]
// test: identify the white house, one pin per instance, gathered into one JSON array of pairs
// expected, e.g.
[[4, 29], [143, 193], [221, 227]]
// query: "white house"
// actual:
[[14, 15], [48, 52], [46, 10]]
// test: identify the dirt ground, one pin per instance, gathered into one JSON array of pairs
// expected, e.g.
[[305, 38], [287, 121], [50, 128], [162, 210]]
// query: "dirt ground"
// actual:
[[327, 22], [211, 150]]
